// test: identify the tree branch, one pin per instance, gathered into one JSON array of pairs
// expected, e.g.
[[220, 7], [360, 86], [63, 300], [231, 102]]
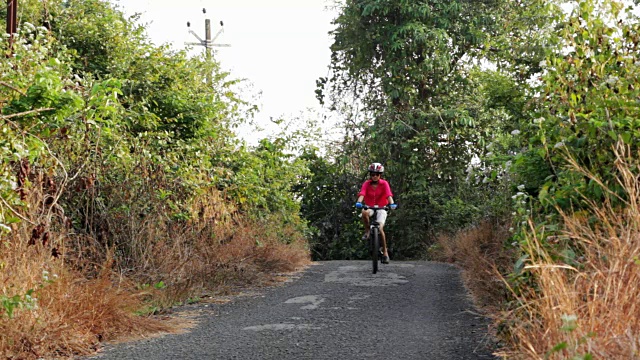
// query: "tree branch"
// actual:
[[12, 88], [6, 117], [16, 213]]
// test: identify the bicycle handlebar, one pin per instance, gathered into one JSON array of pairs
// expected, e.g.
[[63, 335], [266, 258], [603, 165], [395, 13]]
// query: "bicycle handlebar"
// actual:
[[366, 207]]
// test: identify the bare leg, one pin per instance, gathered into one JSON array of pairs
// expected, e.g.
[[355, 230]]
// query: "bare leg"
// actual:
[[365, 220], [384, 242]]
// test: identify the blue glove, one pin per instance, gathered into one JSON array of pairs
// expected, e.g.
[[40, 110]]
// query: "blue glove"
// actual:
[[358, 205], [393, 206]]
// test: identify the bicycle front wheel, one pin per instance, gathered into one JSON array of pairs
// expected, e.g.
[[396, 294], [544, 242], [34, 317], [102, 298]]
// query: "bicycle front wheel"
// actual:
[[375, 245]]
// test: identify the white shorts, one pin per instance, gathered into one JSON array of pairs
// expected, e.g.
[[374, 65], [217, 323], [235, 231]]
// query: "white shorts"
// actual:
[[381, 215]]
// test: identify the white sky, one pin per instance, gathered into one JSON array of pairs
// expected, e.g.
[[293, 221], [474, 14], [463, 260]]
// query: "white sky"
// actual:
[[280, 46]]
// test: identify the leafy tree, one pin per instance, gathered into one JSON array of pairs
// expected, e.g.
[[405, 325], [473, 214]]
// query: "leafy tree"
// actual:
[[588, 98], [127, 130], [327, 205], [419, 109]]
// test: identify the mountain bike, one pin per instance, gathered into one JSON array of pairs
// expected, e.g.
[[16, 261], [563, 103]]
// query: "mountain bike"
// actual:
[[374, 236]]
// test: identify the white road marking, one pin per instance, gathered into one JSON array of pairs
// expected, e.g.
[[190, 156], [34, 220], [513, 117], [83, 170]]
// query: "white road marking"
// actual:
[[313, 300], [362, 276], [399, 265], [281, 327]]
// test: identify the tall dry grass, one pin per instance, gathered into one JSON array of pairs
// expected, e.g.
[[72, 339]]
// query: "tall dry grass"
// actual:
[[217, 248], [591, 308], [217, 258], [67, 314], [63, 291], [479, 251], [48, 307]]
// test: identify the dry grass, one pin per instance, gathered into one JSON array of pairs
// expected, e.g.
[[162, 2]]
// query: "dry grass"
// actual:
[[47, 307], [591, 307], [89, 292], [217, 248], [220, 256], [480, 253], [68, 315]]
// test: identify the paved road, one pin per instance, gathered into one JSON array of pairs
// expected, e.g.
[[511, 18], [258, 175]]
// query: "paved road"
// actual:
[[335, 310]]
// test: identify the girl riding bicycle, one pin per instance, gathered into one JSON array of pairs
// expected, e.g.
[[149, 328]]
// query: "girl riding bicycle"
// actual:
[[376, 192]]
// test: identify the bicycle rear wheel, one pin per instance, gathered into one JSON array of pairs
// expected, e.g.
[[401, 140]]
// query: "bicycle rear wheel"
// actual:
[[375, 245]]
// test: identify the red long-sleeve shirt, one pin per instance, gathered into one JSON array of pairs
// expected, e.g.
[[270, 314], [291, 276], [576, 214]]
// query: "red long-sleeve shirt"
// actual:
[[378, 196]]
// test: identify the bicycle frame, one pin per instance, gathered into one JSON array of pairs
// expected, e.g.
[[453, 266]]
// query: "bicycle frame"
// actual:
[[374, 236]]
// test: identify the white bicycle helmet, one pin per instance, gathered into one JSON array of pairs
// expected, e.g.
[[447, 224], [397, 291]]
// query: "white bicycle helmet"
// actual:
[[376, 168]]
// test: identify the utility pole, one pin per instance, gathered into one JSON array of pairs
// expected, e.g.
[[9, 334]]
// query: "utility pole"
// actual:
[[12, 22], [208, 41], [207, 37]]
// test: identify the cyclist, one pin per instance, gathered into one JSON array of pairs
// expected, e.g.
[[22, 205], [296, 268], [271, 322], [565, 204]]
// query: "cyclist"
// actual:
[[376, 191]]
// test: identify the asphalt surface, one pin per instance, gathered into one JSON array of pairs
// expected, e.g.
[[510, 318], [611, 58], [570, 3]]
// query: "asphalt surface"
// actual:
[[334, 310]]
